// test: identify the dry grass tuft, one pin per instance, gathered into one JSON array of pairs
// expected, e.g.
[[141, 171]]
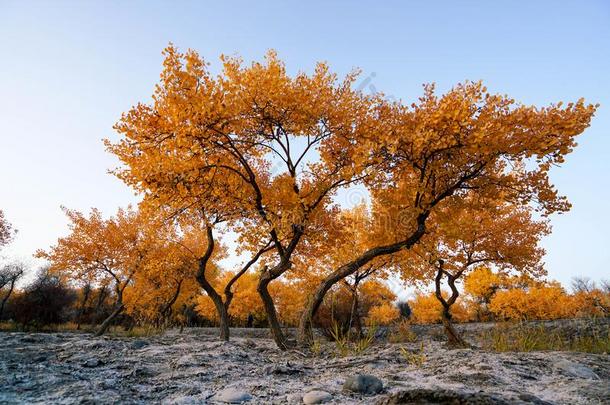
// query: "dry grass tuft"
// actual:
[[527, 338]]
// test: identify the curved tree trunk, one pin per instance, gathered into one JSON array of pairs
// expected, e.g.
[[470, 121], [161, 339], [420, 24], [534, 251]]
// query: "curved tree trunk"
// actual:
[[222, 306], [274, 323], [304, 334], [166, 311], [453, 337], [6, 297], [100, 300], [106, 324]]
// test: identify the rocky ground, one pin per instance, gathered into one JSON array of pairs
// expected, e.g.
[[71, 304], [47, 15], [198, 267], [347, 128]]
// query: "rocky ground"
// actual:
[[195, 368]]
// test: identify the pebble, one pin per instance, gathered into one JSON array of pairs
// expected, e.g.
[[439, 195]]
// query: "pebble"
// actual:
[[232, 396], [363, 384], [316, 397]]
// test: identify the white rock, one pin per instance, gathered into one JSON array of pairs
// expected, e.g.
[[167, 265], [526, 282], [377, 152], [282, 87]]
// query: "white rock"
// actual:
[[232, 396], [316, 397], [576, 370]]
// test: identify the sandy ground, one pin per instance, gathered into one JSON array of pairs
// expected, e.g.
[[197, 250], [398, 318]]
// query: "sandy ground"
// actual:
[[192, 368]]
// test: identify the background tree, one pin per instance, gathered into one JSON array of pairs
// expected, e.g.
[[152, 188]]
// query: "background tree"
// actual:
[[483, 233], [9, 276], [582, 284], [548, 301], [101, 251], [166, 281], [426, 308], [47, 300], [6, 230]]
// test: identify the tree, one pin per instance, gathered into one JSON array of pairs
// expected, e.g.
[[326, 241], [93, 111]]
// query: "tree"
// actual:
[[268, 151], [102, 251], [548, 301], [351, 234], [582, 284], [426, 308], [383, 314], [444, 151], [6, 230], [9, 276], [481, 284], [45, 301], [482, 233], [262, 150], [85, 293], [220, 295], [165, 281]]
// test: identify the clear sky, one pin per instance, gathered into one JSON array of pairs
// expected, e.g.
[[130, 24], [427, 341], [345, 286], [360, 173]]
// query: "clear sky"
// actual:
[[68, 70]]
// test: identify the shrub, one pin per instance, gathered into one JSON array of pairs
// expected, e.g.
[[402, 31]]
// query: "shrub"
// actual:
[[47, 300]]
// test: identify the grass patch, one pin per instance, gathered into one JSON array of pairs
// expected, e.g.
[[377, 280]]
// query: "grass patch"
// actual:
[[136, 331], [348, 344], [8, 326], [414, 358], [402, 333], [70, 327], [528, 338]]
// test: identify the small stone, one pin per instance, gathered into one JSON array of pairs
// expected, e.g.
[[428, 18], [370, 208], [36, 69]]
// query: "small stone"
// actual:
[[232, 396], [316, 397], [363, 384]]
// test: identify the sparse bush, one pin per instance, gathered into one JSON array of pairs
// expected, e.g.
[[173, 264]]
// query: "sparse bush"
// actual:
[[47, 300], [404, 309]]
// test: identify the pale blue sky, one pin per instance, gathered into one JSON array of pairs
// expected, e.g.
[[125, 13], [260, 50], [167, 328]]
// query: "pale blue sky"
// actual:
[[68, 70]]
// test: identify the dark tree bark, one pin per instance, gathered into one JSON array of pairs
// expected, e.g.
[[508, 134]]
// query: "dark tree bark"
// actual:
[[222, 305], [106, 324], [166, 311], [119, 307], [272, 319], [453, 337], [7, 296]]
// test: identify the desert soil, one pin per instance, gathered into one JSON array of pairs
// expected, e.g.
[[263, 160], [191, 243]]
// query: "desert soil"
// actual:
[[194, 368]]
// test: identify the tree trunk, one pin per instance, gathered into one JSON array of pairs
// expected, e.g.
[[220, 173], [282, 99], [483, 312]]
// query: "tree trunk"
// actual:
[[166, 311], [304, 334], [100, 300], [274, 324], [453, 337], [223, 317], [6, 297], [354, 318], [81, 311], [104, 326]]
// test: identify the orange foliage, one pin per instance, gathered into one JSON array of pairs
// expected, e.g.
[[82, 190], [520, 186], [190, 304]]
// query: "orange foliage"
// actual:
[[221, 145], [426, 308], [383, 314]]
